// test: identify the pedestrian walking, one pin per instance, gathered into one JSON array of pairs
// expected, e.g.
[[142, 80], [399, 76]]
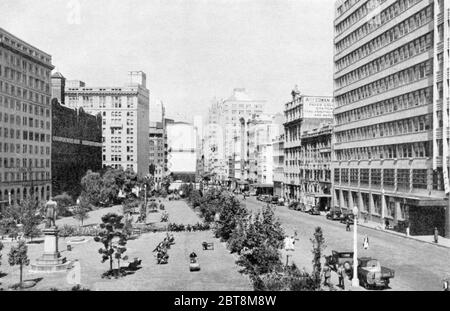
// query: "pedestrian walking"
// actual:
[[386, 224], [366, 242], [326, 272], [347, 228], [341, 274]]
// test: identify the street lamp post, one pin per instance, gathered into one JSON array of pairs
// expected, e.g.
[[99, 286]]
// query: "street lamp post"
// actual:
[[355, 281]]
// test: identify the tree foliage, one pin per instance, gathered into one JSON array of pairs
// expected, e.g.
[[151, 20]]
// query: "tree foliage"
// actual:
[[92, 185], [18, 255], [113, 238], [318, 242]]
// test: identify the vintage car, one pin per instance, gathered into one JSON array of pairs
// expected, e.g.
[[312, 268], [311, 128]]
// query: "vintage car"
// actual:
[[347, 217], [337, 259], [314, 211], [372, 275], [334, 215]]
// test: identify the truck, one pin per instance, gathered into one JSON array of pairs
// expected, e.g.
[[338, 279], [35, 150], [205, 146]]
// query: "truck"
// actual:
[[372, 275], [337, 259]]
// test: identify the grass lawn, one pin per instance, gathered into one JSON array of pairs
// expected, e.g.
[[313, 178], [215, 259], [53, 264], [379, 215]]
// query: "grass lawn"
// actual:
[[218, 268]]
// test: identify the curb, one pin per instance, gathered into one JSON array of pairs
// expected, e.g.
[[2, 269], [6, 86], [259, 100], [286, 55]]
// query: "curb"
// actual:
[[405, 236]]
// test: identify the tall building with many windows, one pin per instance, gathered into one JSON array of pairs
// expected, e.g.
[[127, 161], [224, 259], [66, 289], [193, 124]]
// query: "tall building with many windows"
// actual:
[[305, 115], [392, 119], [25, 121], [125, 118]]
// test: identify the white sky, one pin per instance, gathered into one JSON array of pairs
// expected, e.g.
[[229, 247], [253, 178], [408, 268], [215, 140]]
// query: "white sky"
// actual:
[[191, 50]]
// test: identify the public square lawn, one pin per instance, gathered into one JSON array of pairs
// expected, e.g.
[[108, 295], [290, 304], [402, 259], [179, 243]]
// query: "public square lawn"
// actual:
[[218, 268]]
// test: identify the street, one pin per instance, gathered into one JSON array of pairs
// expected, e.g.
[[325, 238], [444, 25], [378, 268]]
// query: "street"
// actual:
[[417, 265]]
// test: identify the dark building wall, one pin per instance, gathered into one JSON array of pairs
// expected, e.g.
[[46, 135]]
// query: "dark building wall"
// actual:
[[76, 147]]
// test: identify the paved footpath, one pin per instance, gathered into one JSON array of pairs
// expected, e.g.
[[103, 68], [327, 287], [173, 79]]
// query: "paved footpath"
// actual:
[[417, 265]]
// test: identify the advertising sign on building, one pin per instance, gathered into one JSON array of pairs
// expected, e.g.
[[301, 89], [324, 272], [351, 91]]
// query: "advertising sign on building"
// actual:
[[316, 107]]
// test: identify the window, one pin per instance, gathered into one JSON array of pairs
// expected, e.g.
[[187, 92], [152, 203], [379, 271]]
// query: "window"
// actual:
[[420, 179], [376, 177], [388, 178], [403, 181]]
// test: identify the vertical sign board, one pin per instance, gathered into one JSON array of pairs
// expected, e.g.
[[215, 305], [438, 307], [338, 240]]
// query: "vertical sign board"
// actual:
[[316, 107]]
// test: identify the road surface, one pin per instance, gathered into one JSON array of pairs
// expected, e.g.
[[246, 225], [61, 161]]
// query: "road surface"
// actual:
[[418, 265]]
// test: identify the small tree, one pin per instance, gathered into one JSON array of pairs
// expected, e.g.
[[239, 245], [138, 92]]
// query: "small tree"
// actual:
[[64, 200], [18, 256], [113, 239], [30, 218], [82, 209], [1, 247], [318, 242]]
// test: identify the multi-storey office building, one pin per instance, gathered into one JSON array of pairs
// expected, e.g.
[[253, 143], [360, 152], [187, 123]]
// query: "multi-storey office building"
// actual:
[[76, 147], [182, 148], [125, 117], [237, 106], [25, 120], [315, 168], [278, 165], [157, 150], [302, 114], [391, 92]]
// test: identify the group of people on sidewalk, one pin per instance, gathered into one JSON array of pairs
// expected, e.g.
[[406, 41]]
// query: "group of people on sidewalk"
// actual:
[[326, 274]]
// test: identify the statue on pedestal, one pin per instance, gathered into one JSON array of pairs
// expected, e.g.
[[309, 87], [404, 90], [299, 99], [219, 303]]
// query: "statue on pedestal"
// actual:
[[50, 214], [295, 92]]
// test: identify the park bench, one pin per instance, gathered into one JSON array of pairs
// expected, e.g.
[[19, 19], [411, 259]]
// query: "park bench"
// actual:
[[208, 246]]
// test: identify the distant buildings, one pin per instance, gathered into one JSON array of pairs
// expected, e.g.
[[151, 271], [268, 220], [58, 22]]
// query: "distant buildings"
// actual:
[[125, 118], [258, 165], [157, 150], [25, 121], [223, 132], [315, 167], [182, 151], [392, 113], [304, 115], [278, 165]]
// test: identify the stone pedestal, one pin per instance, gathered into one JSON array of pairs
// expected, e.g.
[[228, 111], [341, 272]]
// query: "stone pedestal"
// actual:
[[51, 260]]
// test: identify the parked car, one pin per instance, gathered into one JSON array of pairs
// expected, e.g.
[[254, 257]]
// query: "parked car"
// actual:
[[334, 215], [314, 211], [274, 199], [347, 216], [372, 275], [340, 258]]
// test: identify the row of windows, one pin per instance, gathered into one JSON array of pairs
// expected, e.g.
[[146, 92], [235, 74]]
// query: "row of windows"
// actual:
[[100, 101], [15, 148], [386, 38], [380, 19], [402, 178], [15, 134], [401, 54], [413, 150], [407, 76], [394, 128], [345, 6], [35, 176], [18, 77], [15, 194], [402, 102], [10, 103], [12, 90], [14, 60], [357, 15], [17, 163]]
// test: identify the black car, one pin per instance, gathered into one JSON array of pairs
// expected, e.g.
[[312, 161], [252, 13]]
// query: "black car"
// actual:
[[314, 211], [347, 217], [334, 215]]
